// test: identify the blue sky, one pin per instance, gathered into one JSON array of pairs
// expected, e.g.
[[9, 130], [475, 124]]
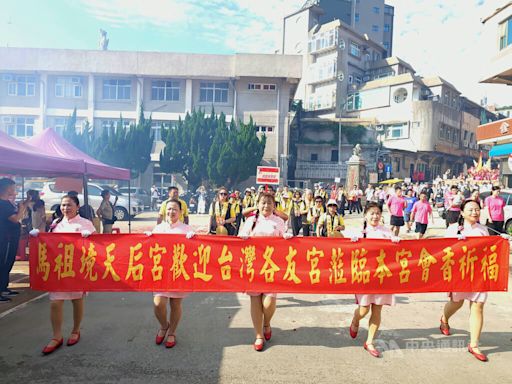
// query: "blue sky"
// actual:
[[437, 37]]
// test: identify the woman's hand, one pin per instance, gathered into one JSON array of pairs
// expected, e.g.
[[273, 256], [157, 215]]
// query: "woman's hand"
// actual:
[[85, 233], [395, 239], [34, 233], [287, 236], [148, 233], [190, 234]]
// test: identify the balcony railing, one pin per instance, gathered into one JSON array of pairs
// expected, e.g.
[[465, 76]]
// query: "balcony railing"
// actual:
[[320, 170]]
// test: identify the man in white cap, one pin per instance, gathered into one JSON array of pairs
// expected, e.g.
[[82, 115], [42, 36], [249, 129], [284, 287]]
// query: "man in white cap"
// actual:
[[330, 223]]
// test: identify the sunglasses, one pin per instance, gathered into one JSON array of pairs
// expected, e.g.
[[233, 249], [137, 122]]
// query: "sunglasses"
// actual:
[[223, 194]]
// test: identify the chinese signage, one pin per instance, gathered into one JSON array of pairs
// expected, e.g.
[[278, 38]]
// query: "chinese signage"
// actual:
[[68, 262], [267, 175]]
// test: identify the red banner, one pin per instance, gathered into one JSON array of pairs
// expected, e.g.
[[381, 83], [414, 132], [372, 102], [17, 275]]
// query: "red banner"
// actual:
[[68, 262]]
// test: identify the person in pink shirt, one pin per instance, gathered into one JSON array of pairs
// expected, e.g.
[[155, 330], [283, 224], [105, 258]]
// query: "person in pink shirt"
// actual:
[[396, 205], [468, 225], [452, 203], [373, 229], [69, 222], [171, 225], [263, 305], [495, 205], [420, 213]]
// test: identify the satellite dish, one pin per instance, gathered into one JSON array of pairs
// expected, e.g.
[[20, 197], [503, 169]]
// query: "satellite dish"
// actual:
[[341, 44], [341, 76]]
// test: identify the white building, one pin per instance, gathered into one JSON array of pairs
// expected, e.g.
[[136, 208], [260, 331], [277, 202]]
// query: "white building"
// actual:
[[39, 88]]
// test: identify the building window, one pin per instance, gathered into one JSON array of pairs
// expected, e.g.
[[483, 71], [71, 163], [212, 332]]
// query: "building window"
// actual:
[[505, 30], [213, 92], [165, 90], [376, 10], [354, 50], [68, 87], [354, 102], [323, 70], [324, 40], [108, 124], [400, 95], [264, 129], [396, 131], [19, 126], [314, 157], [116, 89], [387, 28], [375, 28], [22, 86], [60, 125], [334, 155], [357, 17], [261, 87], [350, 79], [386, 45], [358, 80]]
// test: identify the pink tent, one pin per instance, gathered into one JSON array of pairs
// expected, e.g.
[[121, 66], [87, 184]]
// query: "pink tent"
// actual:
[[19, 158], [51, 143]]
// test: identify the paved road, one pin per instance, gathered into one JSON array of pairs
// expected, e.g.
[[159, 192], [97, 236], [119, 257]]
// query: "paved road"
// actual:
[[310, 341]]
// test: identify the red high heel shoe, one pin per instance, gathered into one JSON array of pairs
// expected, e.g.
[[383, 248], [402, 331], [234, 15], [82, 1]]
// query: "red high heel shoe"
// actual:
[[353, 334], [159, 339], [259, 346], [170, 344], [73, 341], [52, 348], [373, 351], [479, 356], [444, 327], [268, 334]]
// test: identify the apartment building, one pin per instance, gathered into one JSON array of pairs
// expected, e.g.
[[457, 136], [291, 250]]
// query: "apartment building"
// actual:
[[39, 88], [497, 29]]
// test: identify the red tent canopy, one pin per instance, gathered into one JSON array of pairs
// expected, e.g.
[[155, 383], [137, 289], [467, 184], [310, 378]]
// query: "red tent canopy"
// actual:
[[51, 143], [19, 158]]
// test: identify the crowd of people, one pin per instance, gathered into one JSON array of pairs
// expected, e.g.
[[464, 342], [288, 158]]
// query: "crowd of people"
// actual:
[[271, 212]]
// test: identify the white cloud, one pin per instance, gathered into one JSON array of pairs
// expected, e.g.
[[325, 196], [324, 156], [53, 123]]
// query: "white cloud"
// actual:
[[446, 38], [437, 37]]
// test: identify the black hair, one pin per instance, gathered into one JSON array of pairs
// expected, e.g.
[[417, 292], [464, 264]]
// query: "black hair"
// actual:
[[261, 196], [105, 192], [398, 187], [171, 188], [68, 196], [33, 194], [72, 197], [461, 218], [5, 183], [371, 204], [495, 188], [174, 201]]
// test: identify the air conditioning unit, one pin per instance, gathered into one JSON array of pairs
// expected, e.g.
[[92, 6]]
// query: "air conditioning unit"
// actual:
[[341, 44], [366, 78], [7, 77], [341, 76]]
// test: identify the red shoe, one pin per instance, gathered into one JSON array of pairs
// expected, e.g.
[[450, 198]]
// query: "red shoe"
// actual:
[[73, 341], [258, 346], [52, 348], [444, 327], [479, 356], [170, 344], [268, 334], [373, 351], [353, 334], [159, 339]]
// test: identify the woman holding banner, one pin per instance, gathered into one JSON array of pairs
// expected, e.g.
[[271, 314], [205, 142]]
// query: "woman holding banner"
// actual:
[[468, 225], [373, 229], [171, 225], [263, 305], [69, 222]]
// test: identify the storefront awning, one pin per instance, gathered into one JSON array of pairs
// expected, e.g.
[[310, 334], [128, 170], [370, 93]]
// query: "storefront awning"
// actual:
[[501, 150]]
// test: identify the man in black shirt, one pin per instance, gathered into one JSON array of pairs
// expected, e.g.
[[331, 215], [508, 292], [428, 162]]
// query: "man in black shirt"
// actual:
[[9, 234]]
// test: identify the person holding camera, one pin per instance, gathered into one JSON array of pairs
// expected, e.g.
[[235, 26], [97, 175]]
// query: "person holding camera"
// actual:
[[106, 211]]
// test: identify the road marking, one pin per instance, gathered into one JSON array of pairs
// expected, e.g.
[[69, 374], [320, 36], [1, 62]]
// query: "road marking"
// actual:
[[22, 305]]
